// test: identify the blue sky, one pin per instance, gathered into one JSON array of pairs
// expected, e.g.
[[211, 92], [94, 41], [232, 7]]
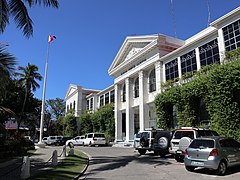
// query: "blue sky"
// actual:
[[90, 32]]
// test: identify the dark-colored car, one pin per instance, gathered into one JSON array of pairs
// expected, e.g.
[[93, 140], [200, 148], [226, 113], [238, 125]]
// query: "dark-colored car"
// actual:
[[217, 153], [61, 142], [154, 140]]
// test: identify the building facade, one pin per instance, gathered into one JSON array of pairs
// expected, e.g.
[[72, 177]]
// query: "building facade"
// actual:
[[143, 63]]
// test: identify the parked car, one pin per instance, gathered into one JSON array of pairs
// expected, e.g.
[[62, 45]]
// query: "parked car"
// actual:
[[154, 140], [62, 141], [92, 139], [217, 153], [78, 140], [51, 139], [182, 138]]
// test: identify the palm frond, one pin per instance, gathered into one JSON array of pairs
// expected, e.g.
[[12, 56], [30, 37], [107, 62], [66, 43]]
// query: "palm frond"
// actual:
[[21, 17], [6, 111], [46, 3], [7, 62], [4, 15]]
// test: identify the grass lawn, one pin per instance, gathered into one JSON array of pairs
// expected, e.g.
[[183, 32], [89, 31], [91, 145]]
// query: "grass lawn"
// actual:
[[69, 168]]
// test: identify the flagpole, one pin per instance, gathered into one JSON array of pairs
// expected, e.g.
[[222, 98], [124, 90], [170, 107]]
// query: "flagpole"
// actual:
[[40, 143]]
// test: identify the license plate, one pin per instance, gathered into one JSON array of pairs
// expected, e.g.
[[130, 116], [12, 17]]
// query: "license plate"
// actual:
[[179, 152], [197, 163]]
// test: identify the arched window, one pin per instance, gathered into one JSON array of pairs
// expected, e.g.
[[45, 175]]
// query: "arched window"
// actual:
[[152, 81], [136, 88], [124, 93]]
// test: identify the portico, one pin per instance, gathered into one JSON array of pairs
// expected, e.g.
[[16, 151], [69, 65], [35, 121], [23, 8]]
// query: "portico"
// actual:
[[138, 75]]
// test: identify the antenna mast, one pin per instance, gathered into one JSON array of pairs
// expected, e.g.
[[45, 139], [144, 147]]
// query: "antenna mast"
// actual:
[[173, 19], [209, 13]]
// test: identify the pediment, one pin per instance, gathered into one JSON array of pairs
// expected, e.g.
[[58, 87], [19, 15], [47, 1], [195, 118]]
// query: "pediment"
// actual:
[[132, 46], [72, 89]]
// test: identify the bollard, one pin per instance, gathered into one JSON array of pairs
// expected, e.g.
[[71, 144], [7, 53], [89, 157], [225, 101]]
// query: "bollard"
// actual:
[[71, 152], [64, 151], [54, 158], [25, 170]]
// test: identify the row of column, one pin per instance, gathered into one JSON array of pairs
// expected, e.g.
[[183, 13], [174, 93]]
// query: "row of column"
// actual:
[[143, 110]]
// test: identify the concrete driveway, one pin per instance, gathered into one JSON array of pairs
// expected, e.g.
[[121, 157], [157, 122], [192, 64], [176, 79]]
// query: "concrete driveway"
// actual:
[[126, 163]]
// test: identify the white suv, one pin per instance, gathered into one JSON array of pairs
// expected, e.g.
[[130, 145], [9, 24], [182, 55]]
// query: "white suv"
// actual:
[[79, 140], [92, 139], [51, 139], [183, 137]]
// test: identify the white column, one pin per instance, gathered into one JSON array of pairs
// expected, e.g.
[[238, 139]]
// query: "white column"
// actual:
[[141, 101], [179, 67], [117, 115], [129, 110], [221, 45], [198, 58], [158, 76]]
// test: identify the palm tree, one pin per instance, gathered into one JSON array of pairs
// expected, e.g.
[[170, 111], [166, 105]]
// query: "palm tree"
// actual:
[[28, 79], [18, 10]]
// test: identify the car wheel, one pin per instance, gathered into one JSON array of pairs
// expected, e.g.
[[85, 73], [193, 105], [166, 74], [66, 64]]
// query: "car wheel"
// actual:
[[222, 168], [179, 158], [162, 154], [190, 168], [90, 143], [156, 153], [142, 151]]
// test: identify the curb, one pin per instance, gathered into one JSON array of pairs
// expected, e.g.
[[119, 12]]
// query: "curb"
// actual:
[[85, 168]]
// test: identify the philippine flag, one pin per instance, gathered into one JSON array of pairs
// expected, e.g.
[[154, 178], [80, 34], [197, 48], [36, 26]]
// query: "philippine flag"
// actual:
[[51, 38]]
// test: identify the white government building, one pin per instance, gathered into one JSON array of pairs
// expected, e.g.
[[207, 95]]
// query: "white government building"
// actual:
[[144, 62]]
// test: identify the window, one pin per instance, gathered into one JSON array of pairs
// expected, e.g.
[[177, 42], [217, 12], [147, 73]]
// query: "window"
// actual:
[[209, 53], [101, 100], [91, 103], [171, 70], [136, 88], [229, 143], [87, 104], [112, 96], [107, 98], [89, 135], [124, 93], [200, 143], [74, 105], [188, 62], [152, 81], [180, 134], [231, 34]]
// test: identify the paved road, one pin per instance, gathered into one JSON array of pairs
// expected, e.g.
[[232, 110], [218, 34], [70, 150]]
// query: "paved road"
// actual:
[[125, 163]]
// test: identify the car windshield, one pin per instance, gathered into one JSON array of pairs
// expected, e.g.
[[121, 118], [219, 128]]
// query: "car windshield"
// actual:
[[202, 144], [99, 135], [180, 134]]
